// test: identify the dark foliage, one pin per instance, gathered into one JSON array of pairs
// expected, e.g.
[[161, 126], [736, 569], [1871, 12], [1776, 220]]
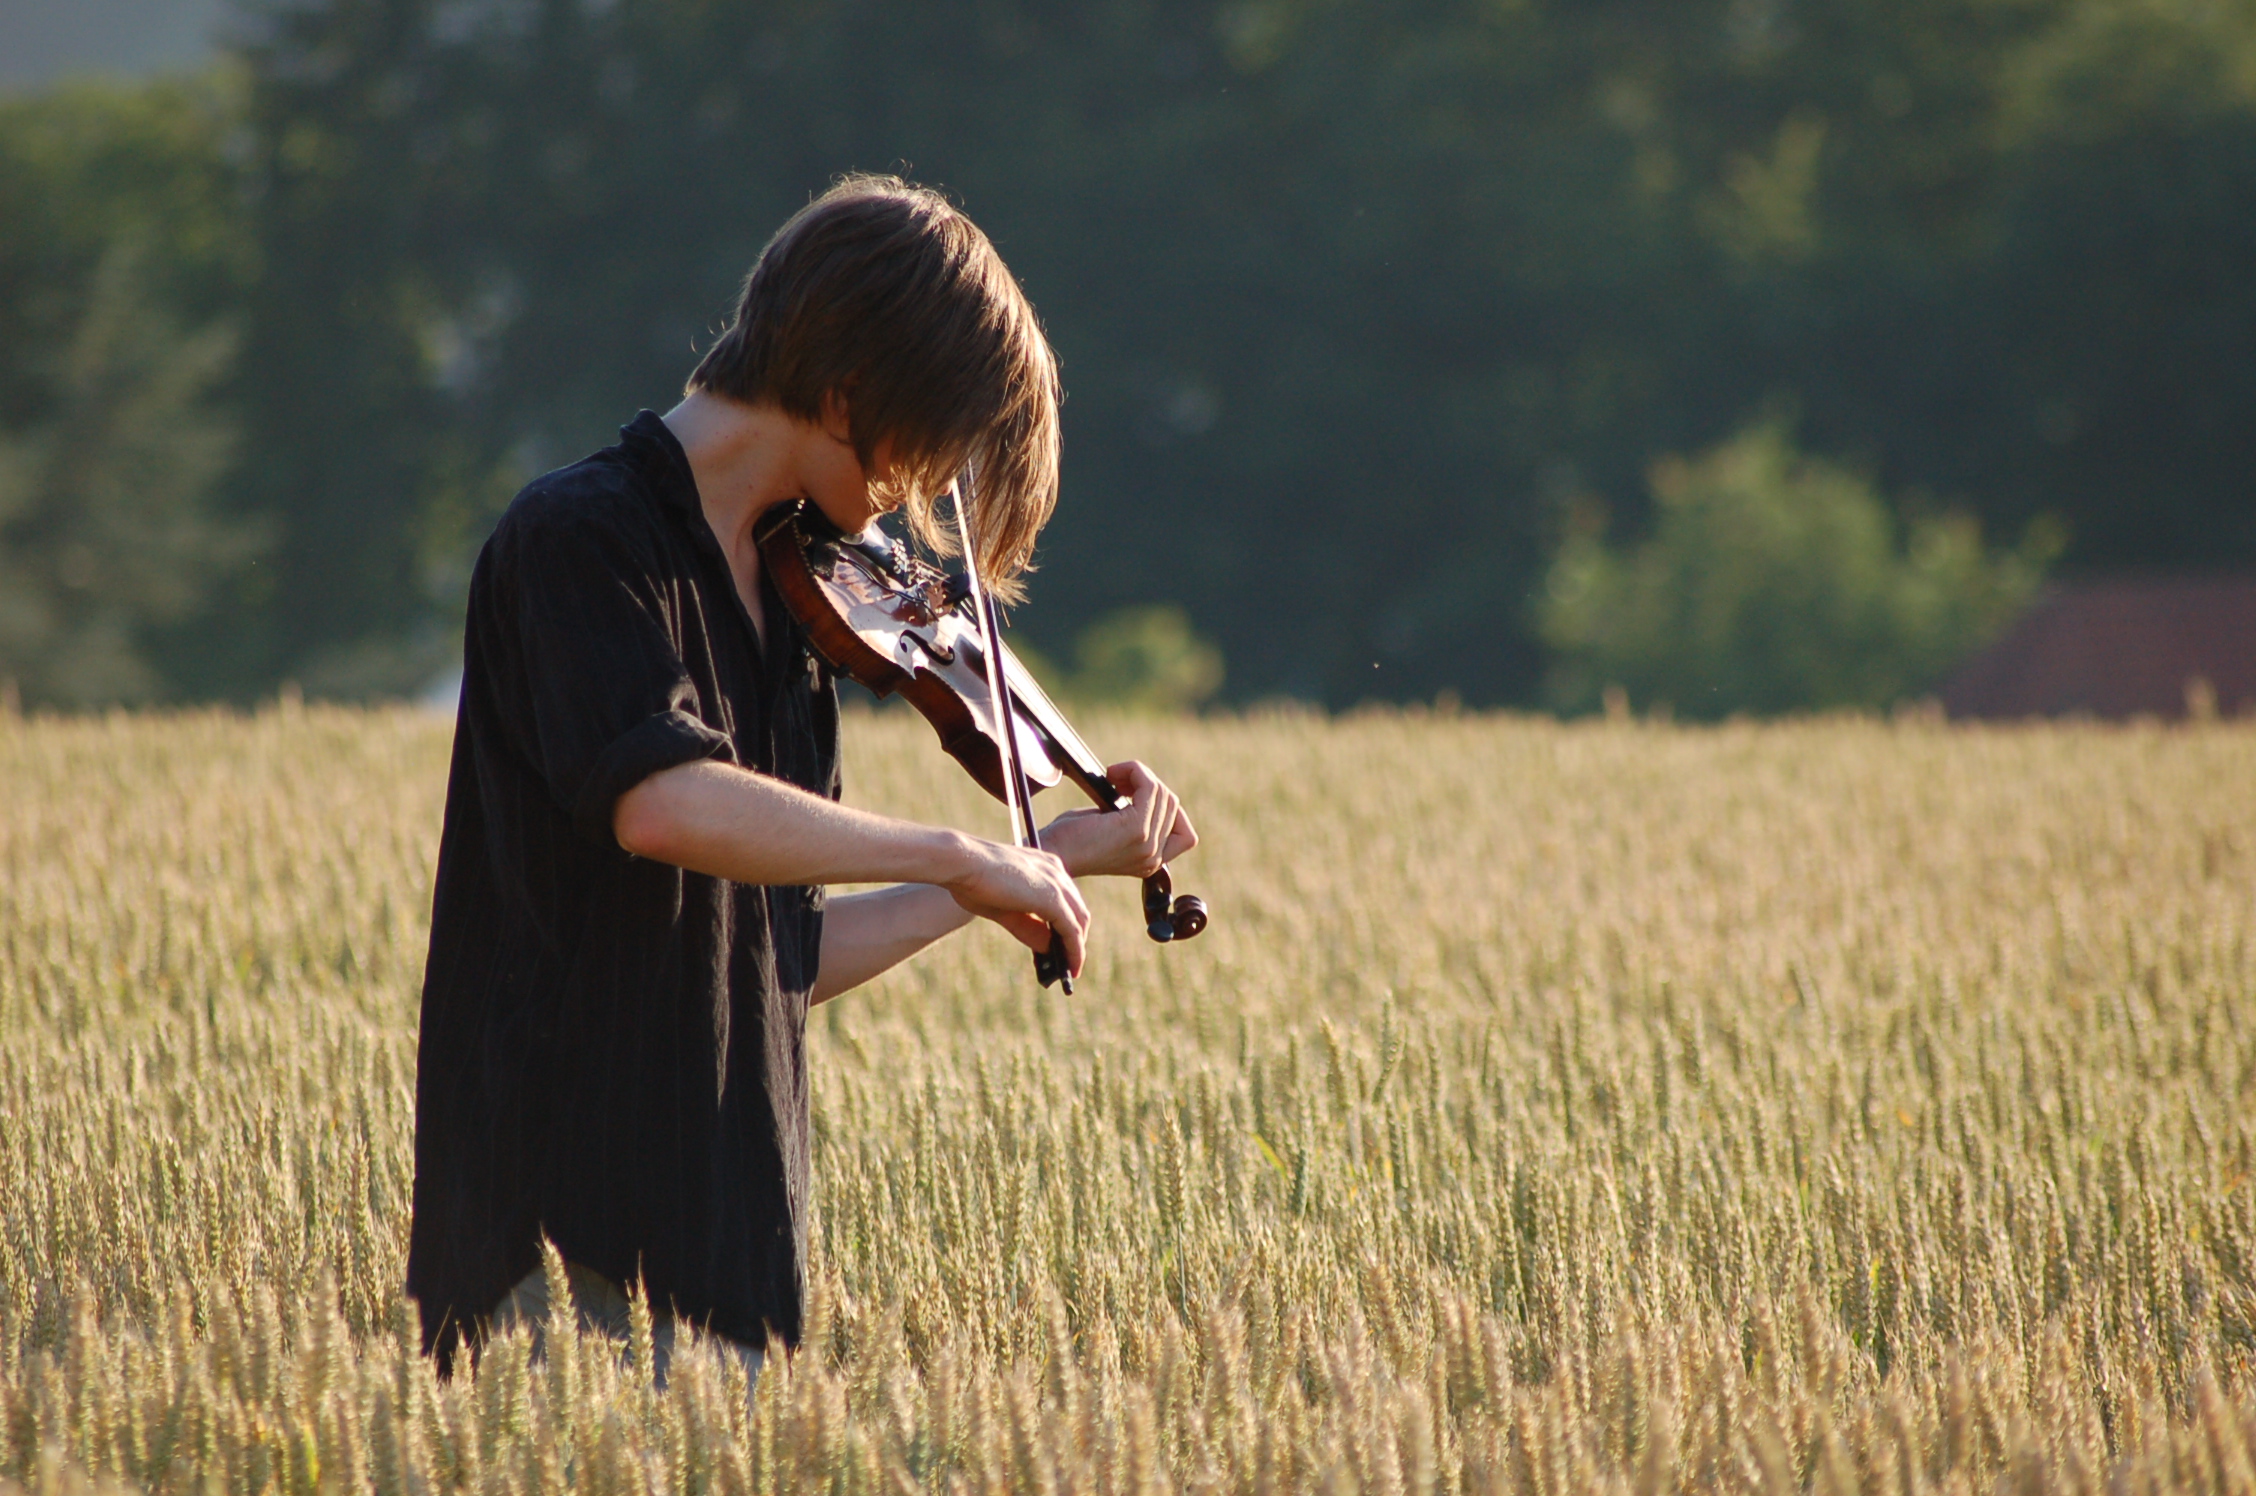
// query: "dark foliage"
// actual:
[[1357, 303]]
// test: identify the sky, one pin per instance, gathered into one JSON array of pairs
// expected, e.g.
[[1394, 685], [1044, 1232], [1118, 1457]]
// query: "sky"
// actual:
[[45, 40]]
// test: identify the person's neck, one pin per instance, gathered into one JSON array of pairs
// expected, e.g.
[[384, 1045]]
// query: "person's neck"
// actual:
[[744, 457], [745, 461]]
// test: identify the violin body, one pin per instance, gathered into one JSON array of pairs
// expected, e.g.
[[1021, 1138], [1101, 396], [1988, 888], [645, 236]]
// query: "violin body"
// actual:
[[884, 617]]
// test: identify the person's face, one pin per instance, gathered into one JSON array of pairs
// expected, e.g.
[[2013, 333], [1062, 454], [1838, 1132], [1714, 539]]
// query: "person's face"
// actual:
[[849, 495]]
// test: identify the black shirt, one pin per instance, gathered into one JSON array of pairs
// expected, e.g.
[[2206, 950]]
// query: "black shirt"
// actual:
[[612, 1049]]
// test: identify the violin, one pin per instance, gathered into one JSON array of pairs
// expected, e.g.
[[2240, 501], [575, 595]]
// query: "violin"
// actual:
[[883, 616]]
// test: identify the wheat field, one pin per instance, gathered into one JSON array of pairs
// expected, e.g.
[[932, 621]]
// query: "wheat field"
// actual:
[[1836, 1105]]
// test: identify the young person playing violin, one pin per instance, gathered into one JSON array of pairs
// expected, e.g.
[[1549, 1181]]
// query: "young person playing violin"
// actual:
[[629, 922]]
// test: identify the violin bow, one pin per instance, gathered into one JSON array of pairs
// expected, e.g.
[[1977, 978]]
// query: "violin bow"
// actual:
[[1049, 965]]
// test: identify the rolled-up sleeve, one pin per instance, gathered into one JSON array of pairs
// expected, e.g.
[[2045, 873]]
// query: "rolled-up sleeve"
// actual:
[[610, 701]]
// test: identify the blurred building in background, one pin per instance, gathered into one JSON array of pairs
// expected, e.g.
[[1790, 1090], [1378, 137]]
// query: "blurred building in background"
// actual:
[[2168, 647]]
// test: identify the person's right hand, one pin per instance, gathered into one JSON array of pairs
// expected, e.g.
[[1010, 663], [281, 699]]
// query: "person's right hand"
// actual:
[[1028, 893]]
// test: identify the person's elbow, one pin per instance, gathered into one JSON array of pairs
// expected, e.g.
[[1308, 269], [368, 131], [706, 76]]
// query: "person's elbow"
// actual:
[[647, 821]]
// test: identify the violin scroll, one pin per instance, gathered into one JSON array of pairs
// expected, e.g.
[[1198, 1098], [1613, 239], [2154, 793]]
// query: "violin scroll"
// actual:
[[1167, 917]]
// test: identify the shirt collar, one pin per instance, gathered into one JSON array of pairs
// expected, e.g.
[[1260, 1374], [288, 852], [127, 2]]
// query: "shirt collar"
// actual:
[[650, 445]]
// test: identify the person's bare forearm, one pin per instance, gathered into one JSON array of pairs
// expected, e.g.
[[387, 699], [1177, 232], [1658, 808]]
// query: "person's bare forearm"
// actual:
[[730, 823], [868, 933]]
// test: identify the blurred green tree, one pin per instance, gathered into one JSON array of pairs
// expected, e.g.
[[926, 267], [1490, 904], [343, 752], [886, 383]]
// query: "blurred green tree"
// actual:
[[106, 533], [1772, 582], [1352, 299], [124, 247], [1144, 659]]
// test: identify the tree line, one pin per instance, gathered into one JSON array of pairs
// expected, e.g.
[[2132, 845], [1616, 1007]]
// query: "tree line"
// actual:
[[1382, 324]]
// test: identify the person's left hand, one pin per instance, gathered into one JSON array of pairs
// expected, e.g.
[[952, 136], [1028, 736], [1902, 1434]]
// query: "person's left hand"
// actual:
[[1134, 841]]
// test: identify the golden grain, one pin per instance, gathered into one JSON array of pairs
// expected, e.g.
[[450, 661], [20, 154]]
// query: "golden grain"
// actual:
[[1826, 1106]]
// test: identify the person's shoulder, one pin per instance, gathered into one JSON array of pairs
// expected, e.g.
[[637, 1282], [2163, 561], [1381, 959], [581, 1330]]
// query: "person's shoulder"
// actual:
[[598, 495], [601, 503]]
